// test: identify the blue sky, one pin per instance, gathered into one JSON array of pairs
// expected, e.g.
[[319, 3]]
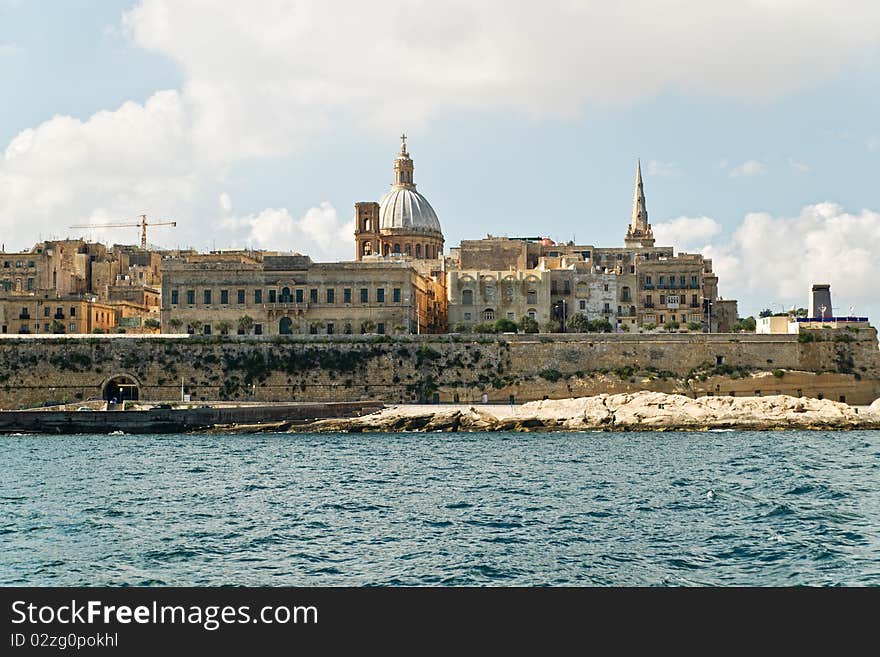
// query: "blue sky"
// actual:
[[759, 137]]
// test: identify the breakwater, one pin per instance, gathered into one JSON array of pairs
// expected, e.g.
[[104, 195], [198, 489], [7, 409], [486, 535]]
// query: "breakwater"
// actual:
[[830, 363]]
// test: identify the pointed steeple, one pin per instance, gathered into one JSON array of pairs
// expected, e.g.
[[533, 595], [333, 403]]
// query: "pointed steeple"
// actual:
[[639, 232], [403, 168]]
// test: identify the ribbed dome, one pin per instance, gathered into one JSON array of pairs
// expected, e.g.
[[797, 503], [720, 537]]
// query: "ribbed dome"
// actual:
[[404, 207]]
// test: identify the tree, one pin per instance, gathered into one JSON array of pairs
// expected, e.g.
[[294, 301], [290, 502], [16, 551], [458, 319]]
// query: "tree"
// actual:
[[151, 323], [194, 326], [671, 325], [746, 325], [578, 323], [98, 331], [245, 324], [461, 327], [694, 326], [649, 326], [224, 327], [625, 327], [368, 327], [551, 326], [801, 312], [505, 326], [484, 327], [600, 326], [56, 326], [766, 313], [175, 323], [528, 325]]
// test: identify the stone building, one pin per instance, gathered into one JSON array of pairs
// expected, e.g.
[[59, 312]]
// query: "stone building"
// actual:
[[477, 296], [26, 314], [634, 287], [402, 222], [74, 270], [248, 292]]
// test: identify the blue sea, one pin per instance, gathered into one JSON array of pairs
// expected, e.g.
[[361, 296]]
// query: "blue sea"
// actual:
[[558, 509]]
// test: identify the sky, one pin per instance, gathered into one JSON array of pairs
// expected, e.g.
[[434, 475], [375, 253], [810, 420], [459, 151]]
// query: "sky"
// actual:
[[261, 124]]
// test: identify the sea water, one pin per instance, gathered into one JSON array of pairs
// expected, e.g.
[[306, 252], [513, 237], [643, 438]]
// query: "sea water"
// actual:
[[608, 509]]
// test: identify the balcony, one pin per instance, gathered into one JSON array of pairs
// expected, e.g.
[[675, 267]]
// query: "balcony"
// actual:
[[649, 286], [694, 305], [58, 316], [24, 316], [648, 304]]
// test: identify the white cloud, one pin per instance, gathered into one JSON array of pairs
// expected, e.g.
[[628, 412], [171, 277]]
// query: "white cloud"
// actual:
[[776, 259], [686, 233], [663, 169], [9, 49], [320, 233], [262, 79], [873, 143], [749, 168], [798, 166]]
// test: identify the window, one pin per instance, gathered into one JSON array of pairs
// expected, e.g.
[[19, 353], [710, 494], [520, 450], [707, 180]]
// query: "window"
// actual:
[[467, 297], [313, 295], [418, 252], [533, 313], [329, 328], [397, 249], [224, 297], [365, 295], [380, 295], [510, 316], [258, 329], [30, 283], [380, 328], [649, 300], [206, 329], [313, 329], [624, 293], [207, 294], [606, 308], [488, 315], [191, 297], [566, 287], [662, 319], [694, 301], [632, 269], [620, 256], [331, 296], [72, 327], [241, 296], [346, 296], [273, 296], [582, 304], [258, 296], [531, 297], [662, 280], [395, 295], [648, 280], [45, 311], [585, 255], [605, 287], [300, 295], [662, 299], [694, 281], [174, 297], [347, 329], [467, 316], [73, 311], [681, 280]]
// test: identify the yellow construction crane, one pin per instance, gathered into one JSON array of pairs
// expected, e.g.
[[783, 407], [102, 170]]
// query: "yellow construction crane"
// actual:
[[142, 224]]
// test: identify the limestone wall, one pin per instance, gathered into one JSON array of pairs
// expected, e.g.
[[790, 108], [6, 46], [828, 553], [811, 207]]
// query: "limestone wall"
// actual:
[[834, 364]]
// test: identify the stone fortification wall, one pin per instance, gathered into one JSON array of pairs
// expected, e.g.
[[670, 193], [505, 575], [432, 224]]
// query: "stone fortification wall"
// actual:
[[832, 364]]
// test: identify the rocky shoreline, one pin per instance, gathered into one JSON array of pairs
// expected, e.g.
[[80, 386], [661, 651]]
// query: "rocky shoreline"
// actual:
[[642, 411]]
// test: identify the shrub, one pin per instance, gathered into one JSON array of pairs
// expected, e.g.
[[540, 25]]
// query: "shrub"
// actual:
[[550, 375], [152, 323], [528, 325], [600, 326], [484, 327], [694, 326], [805, 337], [671, 325], [505, 326], [778, 373], [649, 326], [461, 327], [578, 323]]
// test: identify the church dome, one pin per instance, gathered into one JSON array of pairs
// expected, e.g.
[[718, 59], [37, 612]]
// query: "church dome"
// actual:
[[403, 207]]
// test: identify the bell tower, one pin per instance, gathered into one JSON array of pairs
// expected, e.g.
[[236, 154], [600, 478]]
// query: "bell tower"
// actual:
[[639, 232], [403, 168], [366, 229]]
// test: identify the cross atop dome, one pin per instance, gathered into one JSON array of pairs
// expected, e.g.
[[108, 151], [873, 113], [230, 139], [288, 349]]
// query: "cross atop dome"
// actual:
[[403, 144]]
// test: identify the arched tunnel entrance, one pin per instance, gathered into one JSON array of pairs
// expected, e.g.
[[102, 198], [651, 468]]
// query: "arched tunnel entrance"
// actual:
[[121, 388]]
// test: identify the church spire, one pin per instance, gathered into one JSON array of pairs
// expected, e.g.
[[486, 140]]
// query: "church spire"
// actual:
[[639, 232], [403, 167]]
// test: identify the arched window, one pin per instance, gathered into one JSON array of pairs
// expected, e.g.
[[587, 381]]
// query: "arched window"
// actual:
[[285, 295], [624, 293], [418, 250], [488, 315], [367, 224], [467, 297], [386, 249], [285, 326], [532, 313], [397, 249]]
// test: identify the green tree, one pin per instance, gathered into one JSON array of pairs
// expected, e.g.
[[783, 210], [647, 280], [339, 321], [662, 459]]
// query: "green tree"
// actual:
[[368, 327], [694, 326], [56, 326], [766, 313], [671, 325], [505, 326], [528, 325], [744, 325], [224, 327], [151, 323], [175, 323], [578, 323], [245, 323], [600, 326], [625, 327], [484, 327], [649, 326], [461, 327]]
